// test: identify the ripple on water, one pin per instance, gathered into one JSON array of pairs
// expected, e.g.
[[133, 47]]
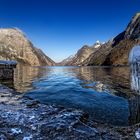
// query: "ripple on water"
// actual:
[[102, 92]]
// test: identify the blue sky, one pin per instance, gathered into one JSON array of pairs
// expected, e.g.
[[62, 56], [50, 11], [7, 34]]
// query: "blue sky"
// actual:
[[61, 27]]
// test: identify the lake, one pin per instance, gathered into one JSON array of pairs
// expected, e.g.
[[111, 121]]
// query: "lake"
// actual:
[[103, 92]]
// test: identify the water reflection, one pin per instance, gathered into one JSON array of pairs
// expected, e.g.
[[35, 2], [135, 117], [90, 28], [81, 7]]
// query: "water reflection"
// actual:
[[134, 109], [114, 79], [134, 102], [26, 75], [105, 92], [135, 77], [87, 88]]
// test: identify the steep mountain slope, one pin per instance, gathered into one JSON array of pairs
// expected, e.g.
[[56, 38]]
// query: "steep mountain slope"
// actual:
[[67, 60], [113, 52], [98, 56], [81, 55], [15, 46], [116, 52], [124, 42]]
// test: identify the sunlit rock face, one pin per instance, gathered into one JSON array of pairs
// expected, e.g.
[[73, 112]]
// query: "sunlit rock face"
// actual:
[[124, 42], [82, 54], [116, 51], [134, 60], [14, 45], [133, 28], [99, 55]]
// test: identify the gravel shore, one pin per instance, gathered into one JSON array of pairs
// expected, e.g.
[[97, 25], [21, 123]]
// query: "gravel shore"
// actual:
[[22, 118]]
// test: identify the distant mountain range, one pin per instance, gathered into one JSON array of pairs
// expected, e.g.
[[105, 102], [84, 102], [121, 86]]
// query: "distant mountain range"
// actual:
[[81, 54], [114, 52], [15, 46]]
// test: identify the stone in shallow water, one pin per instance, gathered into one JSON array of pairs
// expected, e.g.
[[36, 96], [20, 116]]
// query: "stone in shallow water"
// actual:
[[16, 131], [44, 121], [33, 104], [28, 137], [3, 137], [137, 134], [47, 122]]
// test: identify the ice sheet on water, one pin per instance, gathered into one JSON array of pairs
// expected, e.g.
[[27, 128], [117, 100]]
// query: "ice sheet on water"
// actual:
[[134, 55], [134, 61]]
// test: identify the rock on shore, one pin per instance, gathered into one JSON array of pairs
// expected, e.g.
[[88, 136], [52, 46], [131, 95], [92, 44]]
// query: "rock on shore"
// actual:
[[26, 119]]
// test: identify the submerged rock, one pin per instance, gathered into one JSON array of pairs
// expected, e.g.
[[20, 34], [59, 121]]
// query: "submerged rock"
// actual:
[[137, 134], [26, 119], [45, 121]]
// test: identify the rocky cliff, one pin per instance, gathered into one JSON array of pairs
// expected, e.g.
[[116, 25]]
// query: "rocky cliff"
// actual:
[[124, 42], [67, 60], [15, 46], [81, 55], [98, 56], [116, 52]]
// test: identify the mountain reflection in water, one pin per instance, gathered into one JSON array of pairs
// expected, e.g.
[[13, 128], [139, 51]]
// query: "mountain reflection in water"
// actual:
[[103, 92], [134, 102]]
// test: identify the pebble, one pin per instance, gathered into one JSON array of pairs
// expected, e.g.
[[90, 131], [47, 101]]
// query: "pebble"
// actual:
[[137, 134], [16, 131], [28, 137]]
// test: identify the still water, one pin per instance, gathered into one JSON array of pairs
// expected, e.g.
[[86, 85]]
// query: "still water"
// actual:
[[103, 92]]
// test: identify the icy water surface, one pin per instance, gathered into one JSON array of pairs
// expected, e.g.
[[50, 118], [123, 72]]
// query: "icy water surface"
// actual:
[[103, 92]]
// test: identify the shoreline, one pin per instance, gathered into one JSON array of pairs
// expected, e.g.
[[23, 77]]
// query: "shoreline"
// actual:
[[23, 118]]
